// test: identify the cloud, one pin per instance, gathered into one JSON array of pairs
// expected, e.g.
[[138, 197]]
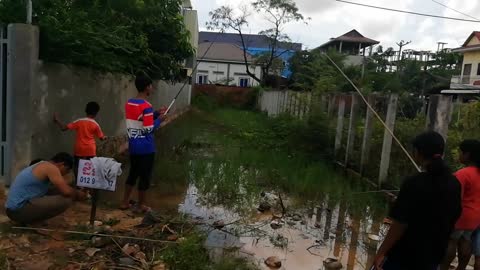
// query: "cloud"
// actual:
[[331, 19]]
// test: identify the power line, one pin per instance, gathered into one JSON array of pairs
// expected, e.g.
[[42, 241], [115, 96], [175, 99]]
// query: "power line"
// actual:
[[409, 12], [465, 14]]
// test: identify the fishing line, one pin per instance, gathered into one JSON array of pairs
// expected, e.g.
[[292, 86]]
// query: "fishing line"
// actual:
[[375, 113], [193, 72]]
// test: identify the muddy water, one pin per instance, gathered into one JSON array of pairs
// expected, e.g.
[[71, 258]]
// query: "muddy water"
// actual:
[[195, 176]]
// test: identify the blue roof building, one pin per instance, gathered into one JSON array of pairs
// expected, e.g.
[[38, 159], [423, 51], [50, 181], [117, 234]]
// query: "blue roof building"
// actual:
[[255, 45]]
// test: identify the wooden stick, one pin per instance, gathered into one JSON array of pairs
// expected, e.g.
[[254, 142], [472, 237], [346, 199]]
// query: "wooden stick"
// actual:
[[93, 211], [96, 234]]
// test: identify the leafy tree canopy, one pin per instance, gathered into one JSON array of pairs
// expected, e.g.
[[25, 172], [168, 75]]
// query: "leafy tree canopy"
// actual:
[[109, 35]]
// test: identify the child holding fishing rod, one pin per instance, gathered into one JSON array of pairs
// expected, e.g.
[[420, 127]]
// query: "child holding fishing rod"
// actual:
[[141, 122], [425, 212]]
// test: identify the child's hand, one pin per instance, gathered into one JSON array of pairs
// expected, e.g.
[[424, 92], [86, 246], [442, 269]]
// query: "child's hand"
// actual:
[[162, 111]]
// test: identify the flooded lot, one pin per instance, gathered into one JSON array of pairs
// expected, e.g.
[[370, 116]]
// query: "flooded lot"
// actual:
[[256, 203]]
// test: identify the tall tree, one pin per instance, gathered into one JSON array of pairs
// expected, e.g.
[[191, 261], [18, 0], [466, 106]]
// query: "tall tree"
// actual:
[[109, 35], [278, 13]]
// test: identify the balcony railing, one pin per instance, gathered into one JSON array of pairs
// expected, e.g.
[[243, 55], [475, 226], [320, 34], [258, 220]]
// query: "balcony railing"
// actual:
[[472, 80]]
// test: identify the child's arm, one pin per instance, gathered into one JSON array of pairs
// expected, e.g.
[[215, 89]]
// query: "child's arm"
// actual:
[[59, 123], [99, 134], [149, 123]]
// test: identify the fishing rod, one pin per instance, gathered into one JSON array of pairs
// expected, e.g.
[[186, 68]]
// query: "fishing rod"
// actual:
[[186, 81], [370, 107]]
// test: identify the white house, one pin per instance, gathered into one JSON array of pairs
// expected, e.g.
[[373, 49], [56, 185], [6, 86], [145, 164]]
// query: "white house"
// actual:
[[224, 64]]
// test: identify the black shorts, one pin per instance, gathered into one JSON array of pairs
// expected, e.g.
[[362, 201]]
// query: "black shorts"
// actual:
[[141, 166]]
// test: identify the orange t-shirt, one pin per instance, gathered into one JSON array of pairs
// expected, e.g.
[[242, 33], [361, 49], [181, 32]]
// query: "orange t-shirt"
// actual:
[[469, 177], [87, 129]]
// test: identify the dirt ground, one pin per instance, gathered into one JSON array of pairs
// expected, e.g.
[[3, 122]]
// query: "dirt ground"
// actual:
[[32, 250]]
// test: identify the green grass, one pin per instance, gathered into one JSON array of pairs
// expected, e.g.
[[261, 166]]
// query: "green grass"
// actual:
[[255, 153], [191, 254]]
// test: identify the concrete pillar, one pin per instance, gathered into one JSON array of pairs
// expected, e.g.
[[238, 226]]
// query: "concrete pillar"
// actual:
[[440, 114], [351, 128], [309, 104], [22, 64], [367, 134], [341, 45], [331, 104], [387, 139], [323, 102], [340, 118]]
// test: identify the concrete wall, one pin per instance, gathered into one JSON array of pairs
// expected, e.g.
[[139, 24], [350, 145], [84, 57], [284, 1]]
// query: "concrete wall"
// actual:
[[21, 73], [66, 90], [219, 72], [472, 58], [36, 90], [232, 96]]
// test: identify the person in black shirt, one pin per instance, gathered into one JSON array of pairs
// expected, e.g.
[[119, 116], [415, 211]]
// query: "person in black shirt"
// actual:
[[424, 214]]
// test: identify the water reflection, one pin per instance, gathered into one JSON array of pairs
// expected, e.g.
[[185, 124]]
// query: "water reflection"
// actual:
[[211, 179]]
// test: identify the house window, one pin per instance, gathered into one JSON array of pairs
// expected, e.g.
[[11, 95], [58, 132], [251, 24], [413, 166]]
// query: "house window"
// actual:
[[244, 82], [478, 70], [202, 79]]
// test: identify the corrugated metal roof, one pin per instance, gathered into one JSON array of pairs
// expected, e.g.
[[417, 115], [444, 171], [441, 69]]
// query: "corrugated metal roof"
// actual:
[[251, 41], [222, 52]]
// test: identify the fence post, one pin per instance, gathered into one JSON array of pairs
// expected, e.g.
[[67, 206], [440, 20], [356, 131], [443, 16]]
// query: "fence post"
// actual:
[[308, 107], [331, 104], [387, 139], [23, 48], [284, 101], [439, 114], [367, 134], [340, 118], [351, 128]]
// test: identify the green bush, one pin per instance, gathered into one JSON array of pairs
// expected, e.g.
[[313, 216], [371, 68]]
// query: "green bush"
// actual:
[[109, 35]]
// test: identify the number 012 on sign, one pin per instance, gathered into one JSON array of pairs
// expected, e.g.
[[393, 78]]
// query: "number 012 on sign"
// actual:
[[88, 177]]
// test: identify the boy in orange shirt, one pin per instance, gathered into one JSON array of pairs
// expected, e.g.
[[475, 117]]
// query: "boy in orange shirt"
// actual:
[[87, 129]]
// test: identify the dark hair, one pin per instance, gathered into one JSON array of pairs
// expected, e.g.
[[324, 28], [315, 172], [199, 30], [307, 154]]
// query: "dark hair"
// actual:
[[64, 158], [35, 161], [472, 147], [142, 82], [431, 146], [92, 108]]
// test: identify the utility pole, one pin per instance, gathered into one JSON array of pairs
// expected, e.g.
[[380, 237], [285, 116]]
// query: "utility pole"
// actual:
[[29, 11], [401, 44]]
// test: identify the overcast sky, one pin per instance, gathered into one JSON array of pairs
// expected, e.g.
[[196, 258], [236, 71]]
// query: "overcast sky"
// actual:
[[331, 19]]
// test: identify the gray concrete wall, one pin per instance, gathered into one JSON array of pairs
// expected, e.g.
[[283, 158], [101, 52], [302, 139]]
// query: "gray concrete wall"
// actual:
[[36, 90], [66, 90], [21, 73]]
